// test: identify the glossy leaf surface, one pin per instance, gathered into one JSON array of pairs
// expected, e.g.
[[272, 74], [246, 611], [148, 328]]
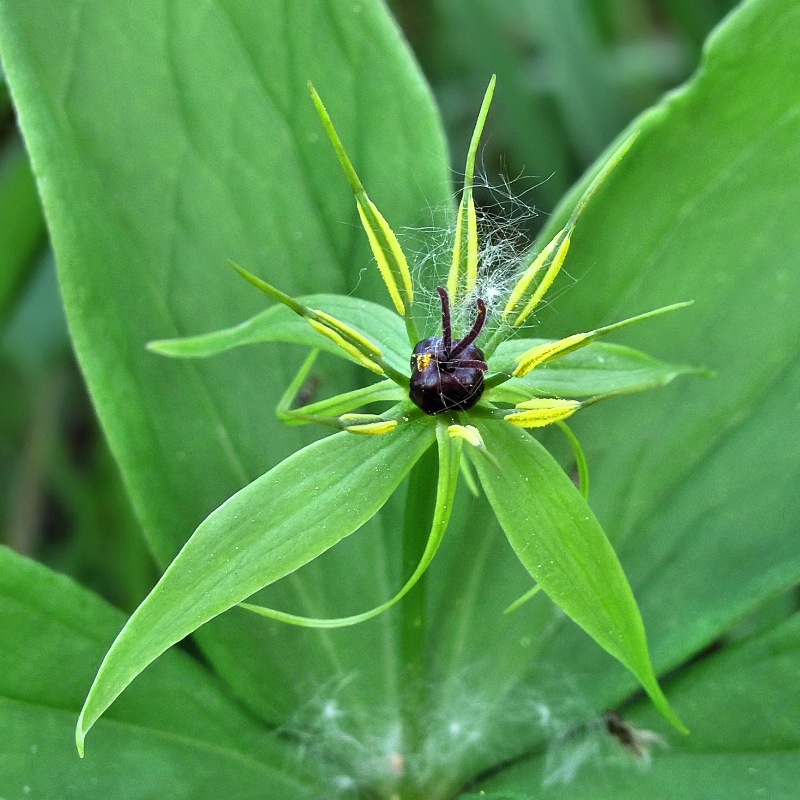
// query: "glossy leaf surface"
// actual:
[[697, 480], [700, 478]]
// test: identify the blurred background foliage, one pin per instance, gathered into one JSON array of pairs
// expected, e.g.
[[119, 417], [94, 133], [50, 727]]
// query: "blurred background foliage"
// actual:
[[572, 72]]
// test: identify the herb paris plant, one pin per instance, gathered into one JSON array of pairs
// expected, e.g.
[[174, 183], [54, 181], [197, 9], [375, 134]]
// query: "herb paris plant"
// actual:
[[474, 400]]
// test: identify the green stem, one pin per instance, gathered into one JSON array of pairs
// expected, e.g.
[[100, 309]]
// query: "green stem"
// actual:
[[411, 328], [419, 511]]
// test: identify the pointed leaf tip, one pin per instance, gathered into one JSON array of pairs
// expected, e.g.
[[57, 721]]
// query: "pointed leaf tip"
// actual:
[[80, 736], [253, 540], [560, 542]]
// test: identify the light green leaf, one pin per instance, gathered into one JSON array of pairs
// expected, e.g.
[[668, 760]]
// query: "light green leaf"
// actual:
[[280, 324], [156, 164], [596, 369], [701, 477], [559, 541], [270, 528], [176, 731], [449, 451], [698, 479]]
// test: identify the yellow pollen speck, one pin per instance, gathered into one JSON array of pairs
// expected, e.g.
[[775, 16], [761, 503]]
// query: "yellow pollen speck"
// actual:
[[423, 359]]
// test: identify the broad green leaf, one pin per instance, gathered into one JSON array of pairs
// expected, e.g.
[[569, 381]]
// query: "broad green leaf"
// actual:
[[741, 704], [596, 369], [559, 541], [698, 480], [157, 162], [381, 326], [176, 731], [272, 527]]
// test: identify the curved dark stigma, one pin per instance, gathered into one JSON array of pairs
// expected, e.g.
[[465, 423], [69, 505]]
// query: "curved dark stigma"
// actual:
[[447, 328], [477, 327]]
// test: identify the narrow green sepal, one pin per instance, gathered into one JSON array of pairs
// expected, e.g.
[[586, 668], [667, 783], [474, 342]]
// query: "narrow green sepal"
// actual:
[[520, 601], [562, 545], [581, 464], [271, 291], [253, 540], [449, 461]]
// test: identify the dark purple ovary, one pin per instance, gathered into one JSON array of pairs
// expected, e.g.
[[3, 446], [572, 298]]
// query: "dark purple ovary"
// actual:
[[448, 375]]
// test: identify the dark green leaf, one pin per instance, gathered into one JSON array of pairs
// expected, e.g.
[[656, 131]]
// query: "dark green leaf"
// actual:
[[694, 484], [699, 480], [176, 731], [742, 707], [22, 231]]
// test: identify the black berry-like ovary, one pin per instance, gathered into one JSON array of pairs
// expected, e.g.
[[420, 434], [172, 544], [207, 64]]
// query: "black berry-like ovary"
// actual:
[[447, 375]]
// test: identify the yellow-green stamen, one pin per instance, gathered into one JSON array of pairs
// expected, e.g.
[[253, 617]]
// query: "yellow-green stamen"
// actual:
[[347, 331], [541, 411], [555, 252], [542, 353], [375, 426], [550, 350], [561, 246], [385, 246], [469, 433], [349, 348], [527, 277], [464, 267]]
